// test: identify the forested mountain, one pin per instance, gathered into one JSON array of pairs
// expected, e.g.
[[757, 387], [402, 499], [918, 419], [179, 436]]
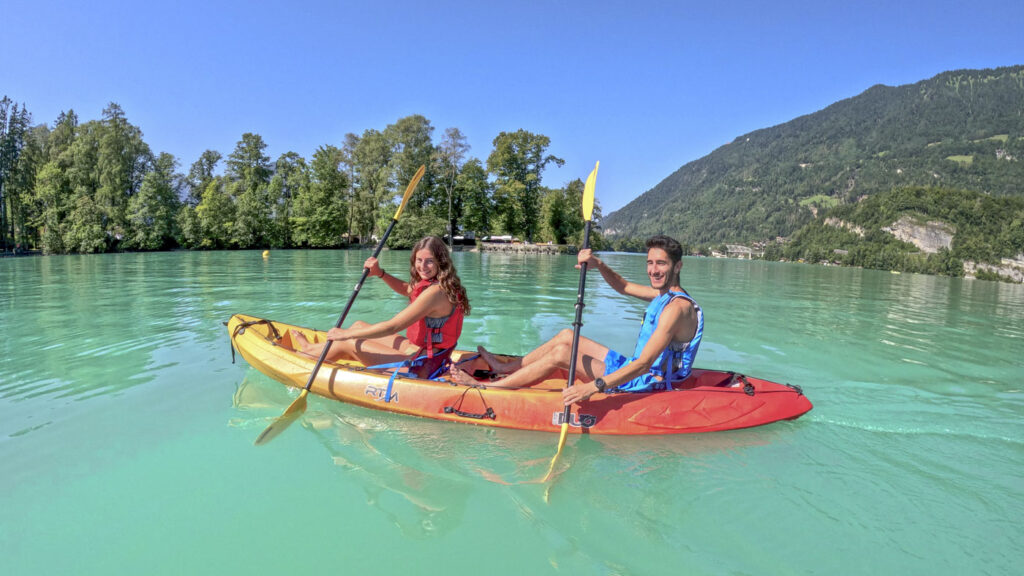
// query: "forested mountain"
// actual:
[[959, 130], [927, 230]]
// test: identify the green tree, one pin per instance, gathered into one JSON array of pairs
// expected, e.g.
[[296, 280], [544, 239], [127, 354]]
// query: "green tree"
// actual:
[[415, 225], [53, 192], [59, 142], [320, 209], [85, 233], [574, 221], [562, 213], [200, 174], [253, 222], [14, 125], [82, 160], [475, 191], [509, 209], [248, 163], [348, 163], [190, 229], [553, 215], [216, 214], [411, 147], [152, 213], [290, 176], [374, 183], [85, 227], [448, 158], [21, 184], [122, 160], [517, 163]]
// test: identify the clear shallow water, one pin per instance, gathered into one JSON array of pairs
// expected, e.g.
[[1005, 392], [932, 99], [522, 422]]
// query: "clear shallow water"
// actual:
[[126, 433]]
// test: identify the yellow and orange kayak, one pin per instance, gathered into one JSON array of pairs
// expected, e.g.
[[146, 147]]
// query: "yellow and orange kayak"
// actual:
[[707, 401]]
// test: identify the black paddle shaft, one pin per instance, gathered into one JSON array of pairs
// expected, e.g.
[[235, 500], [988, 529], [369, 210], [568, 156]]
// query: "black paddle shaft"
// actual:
[[578, 323], [351, 299]]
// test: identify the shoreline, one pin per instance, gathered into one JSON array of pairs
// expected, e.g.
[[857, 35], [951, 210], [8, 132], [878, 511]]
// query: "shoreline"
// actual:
[[520, 248]]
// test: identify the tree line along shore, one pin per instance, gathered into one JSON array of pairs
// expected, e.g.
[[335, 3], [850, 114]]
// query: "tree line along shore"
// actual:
[[97, 186]]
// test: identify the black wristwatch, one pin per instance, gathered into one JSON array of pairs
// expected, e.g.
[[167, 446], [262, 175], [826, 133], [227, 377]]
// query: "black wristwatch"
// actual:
[[600, 384]]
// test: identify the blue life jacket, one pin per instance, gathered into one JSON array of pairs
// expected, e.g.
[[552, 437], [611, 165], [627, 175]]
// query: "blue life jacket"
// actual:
[[675, 362]]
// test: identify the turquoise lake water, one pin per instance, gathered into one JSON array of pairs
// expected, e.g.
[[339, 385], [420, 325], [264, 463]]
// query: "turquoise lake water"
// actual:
[[126, 432]]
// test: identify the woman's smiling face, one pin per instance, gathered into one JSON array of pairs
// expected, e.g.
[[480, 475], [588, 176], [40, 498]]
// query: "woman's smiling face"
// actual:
[[426, 266]]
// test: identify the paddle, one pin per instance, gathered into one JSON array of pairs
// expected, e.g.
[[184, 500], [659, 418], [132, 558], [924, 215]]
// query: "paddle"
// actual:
[[588, 210], [299, 405]]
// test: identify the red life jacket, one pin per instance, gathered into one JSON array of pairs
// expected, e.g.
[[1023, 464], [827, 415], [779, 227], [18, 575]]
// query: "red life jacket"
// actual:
[[435, 333]]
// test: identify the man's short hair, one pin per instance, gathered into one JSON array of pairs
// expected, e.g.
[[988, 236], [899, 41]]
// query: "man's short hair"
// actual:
[[668, 244]]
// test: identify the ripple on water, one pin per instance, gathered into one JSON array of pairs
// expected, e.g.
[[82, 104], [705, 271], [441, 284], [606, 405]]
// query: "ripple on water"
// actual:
[[912, 455]]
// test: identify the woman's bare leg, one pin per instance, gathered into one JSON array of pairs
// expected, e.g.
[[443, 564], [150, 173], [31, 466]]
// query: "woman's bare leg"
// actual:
[[373, 353], [314, 349], [346, 349]]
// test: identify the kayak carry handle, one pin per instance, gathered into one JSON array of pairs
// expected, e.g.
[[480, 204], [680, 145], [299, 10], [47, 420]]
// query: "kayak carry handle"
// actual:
[[456, 408], [489, 414]]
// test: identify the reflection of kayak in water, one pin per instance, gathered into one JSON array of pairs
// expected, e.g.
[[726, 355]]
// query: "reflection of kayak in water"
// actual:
[[707, 401], [406, 480]]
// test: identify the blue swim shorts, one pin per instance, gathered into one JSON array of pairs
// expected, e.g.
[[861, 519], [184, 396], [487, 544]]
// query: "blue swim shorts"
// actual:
[[643, 383]]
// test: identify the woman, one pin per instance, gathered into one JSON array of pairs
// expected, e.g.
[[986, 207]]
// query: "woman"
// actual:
[[437, 304]]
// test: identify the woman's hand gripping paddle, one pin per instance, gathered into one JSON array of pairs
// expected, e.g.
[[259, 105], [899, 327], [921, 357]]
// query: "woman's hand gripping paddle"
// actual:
[[588, 211], [299, 405]]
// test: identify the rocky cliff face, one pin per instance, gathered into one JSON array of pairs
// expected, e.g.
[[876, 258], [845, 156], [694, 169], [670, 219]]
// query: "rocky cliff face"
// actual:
[[844, 224], [928, 237], [1012, 268]]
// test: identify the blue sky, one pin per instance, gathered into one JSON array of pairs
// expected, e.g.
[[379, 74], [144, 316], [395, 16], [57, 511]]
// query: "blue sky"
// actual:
[[644, 87]]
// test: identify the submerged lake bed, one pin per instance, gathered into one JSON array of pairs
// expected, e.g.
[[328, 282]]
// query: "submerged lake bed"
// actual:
[[126, 431]]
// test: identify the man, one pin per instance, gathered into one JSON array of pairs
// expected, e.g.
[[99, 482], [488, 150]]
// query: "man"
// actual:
[[669, 336]]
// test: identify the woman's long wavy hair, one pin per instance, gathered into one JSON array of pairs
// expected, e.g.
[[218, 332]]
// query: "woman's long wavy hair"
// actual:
[[446, 274]]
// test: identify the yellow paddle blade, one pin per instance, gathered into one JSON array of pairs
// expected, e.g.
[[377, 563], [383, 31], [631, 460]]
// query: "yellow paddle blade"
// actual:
[[408, 189], [588, 194], [561, 444], [284, 420]]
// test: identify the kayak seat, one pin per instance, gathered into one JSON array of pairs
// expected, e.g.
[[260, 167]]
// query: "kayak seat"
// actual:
[[705, 379], [421, 365], [430, 368]]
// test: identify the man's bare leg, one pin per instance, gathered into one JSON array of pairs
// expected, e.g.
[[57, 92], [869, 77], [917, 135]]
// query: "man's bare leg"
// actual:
[[549, 357], [499, 367]]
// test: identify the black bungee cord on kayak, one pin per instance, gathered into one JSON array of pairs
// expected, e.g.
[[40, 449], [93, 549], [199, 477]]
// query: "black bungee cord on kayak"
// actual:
[[240, 329]]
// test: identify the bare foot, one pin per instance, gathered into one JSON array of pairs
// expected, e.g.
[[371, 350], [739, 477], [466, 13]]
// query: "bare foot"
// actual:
[[497, 366], [302, 344], [460, 377]]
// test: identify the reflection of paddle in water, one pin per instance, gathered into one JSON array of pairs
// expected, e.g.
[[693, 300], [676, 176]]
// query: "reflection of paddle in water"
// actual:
[[520, 472], [412, 489]]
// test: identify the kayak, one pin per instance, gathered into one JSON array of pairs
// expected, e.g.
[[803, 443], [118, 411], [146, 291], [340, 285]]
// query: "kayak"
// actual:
[[707, 401]]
